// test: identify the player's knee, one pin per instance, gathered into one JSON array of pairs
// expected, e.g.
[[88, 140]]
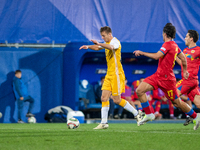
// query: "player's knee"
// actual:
[[116, 101], [197, 101], [139, 92], [176, 103], [104, 98], [198, 105]]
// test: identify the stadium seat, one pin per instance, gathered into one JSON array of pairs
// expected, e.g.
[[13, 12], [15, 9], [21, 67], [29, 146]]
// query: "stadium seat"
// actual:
[[87, 97]]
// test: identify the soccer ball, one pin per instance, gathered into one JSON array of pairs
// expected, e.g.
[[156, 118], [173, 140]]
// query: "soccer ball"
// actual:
[[31, 120], [1, 115], [73, 123]]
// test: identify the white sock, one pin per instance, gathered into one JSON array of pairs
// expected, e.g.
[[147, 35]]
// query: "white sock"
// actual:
[[131, 109], [156, 113], [104, 114]]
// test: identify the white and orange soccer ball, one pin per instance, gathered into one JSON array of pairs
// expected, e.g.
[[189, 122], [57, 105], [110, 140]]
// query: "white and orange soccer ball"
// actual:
[[31, 120], [73, 123]]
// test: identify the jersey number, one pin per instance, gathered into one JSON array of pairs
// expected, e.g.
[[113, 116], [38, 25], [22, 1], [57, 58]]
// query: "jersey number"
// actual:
[[170, 94]]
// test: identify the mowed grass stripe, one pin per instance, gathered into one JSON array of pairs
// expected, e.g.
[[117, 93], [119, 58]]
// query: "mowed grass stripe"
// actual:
[[118, 136]]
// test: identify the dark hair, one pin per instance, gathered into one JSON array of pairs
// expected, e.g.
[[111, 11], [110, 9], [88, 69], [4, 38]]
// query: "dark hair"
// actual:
[[106, 29], [194, 34], [103, 77], [18, 71], [170, 30]]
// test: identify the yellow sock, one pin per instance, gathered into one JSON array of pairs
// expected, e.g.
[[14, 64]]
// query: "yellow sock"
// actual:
[[128, 107], [105, 104], [123, 103]]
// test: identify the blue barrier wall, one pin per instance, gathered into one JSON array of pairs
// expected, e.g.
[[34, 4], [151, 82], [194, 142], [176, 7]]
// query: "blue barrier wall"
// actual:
[[72, 60], [42, 71]]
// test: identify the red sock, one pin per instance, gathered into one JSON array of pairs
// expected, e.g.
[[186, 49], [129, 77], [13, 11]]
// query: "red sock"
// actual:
[[152, 110], [171, 108], [194, 115], [147, 108], [157, 109]]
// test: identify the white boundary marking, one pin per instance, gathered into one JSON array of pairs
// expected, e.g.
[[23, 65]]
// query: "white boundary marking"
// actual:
[[107, 130]]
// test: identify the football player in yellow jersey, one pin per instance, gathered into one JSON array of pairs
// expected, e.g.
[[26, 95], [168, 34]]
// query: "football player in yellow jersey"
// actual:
[[115, 79]]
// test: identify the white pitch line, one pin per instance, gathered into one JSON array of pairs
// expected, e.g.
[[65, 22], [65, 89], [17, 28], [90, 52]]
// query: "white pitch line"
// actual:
[[107, 130], [160, 132]]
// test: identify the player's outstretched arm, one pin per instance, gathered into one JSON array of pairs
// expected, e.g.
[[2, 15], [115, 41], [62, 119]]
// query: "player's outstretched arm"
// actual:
[[184, 64], [103, 45], [92, 47], [155, 56]]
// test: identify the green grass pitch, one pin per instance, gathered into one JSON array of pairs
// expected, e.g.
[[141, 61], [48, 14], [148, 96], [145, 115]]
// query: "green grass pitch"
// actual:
[[116, 137]]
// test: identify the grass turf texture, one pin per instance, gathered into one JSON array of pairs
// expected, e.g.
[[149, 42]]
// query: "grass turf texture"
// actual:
[[117, 136]]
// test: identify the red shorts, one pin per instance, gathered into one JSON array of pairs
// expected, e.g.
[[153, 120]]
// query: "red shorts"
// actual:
[[189, 87], [167, 86]]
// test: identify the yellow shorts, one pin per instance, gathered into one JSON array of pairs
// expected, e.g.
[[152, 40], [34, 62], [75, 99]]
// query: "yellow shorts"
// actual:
[[115, 84]]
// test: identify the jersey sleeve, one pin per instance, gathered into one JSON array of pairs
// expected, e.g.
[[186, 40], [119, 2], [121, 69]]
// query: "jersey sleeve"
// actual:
[[115, 43], [179, 51], [163, 49]]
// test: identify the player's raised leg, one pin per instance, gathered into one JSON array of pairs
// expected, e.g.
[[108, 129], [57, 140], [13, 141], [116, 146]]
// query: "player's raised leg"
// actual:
[[186, 100], [196, 100], [104, 110], [193, 95], [189, 111], [148, 109], [122, 102], [118, 87]]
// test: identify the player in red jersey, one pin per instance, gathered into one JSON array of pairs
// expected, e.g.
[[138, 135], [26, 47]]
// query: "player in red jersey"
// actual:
[[189, 86], [164, 77]]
